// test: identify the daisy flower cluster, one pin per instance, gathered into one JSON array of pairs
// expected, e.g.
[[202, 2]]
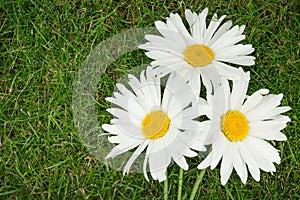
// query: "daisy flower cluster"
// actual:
[[166, 121]]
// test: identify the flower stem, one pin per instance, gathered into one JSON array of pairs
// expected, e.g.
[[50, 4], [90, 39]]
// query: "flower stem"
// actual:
[[166, 189], [198, 181], [180, 184]]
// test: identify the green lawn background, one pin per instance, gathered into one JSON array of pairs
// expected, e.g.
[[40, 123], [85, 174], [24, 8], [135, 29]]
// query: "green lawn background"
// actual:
[[44, 43]]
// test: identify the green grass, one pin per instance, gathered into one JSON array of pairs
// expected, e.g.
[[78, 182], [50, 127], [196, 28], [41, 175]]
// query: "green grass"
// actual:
[[43, 45]]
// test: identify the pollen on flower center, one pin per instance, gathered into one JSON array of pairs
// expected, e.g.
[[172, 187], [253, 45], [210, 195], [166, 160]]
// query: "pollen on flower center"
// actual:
[[198, 55], [155, 124], [234, 125]]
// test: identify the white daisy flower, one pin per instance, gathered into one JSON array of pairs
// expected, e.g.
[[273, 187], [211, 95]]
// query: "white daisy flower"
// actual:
[[204, 51], [161, 123], [240, 128]]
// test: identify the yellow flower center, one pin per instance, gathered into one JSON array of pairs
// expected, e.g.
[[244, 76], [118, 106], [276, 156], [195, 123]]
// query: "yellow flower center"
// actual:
[[198, 55], [155, 124], [234, 125]]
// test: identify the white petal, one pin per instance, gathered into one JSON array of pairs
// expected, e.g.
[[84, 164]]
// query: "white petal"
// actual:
[[180, 161], [265, 165], [218, 149], [117, 112], [269, 130], [133, 82], [201, 26], [122, 104], [164, 56], [206, 162], [190, 113], [238, 164], [121, 98], [240, 60], [227, 164], [136, 110], [170, 34], [197, 24], [176, 89], [213, 25], [262, 110], [163, 47], [275, 112], [136, 153], [143, 103], [123, 147], [195, 82], [205, 130], [189, 153], [276, 136], [210, 78], [170, 138], [177, 22], [233, 51], [192, 18], [202, 136], [227, 94], [227, 71], [163, 70], [239, 90], [157, 54], [112, 129], [281, 118], [241, 30], [161, 44], [122, 122], [220, 32], [187, 97], [250, 161], [188, 124], [123, 89], [147, 97], [262, 149], [227, 41], [145, 164], [171, 107], [122, 130], [253, 100], [220, 101], [265, 113], [161, 175], [180, 143], [155, 93], [158, 160]]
